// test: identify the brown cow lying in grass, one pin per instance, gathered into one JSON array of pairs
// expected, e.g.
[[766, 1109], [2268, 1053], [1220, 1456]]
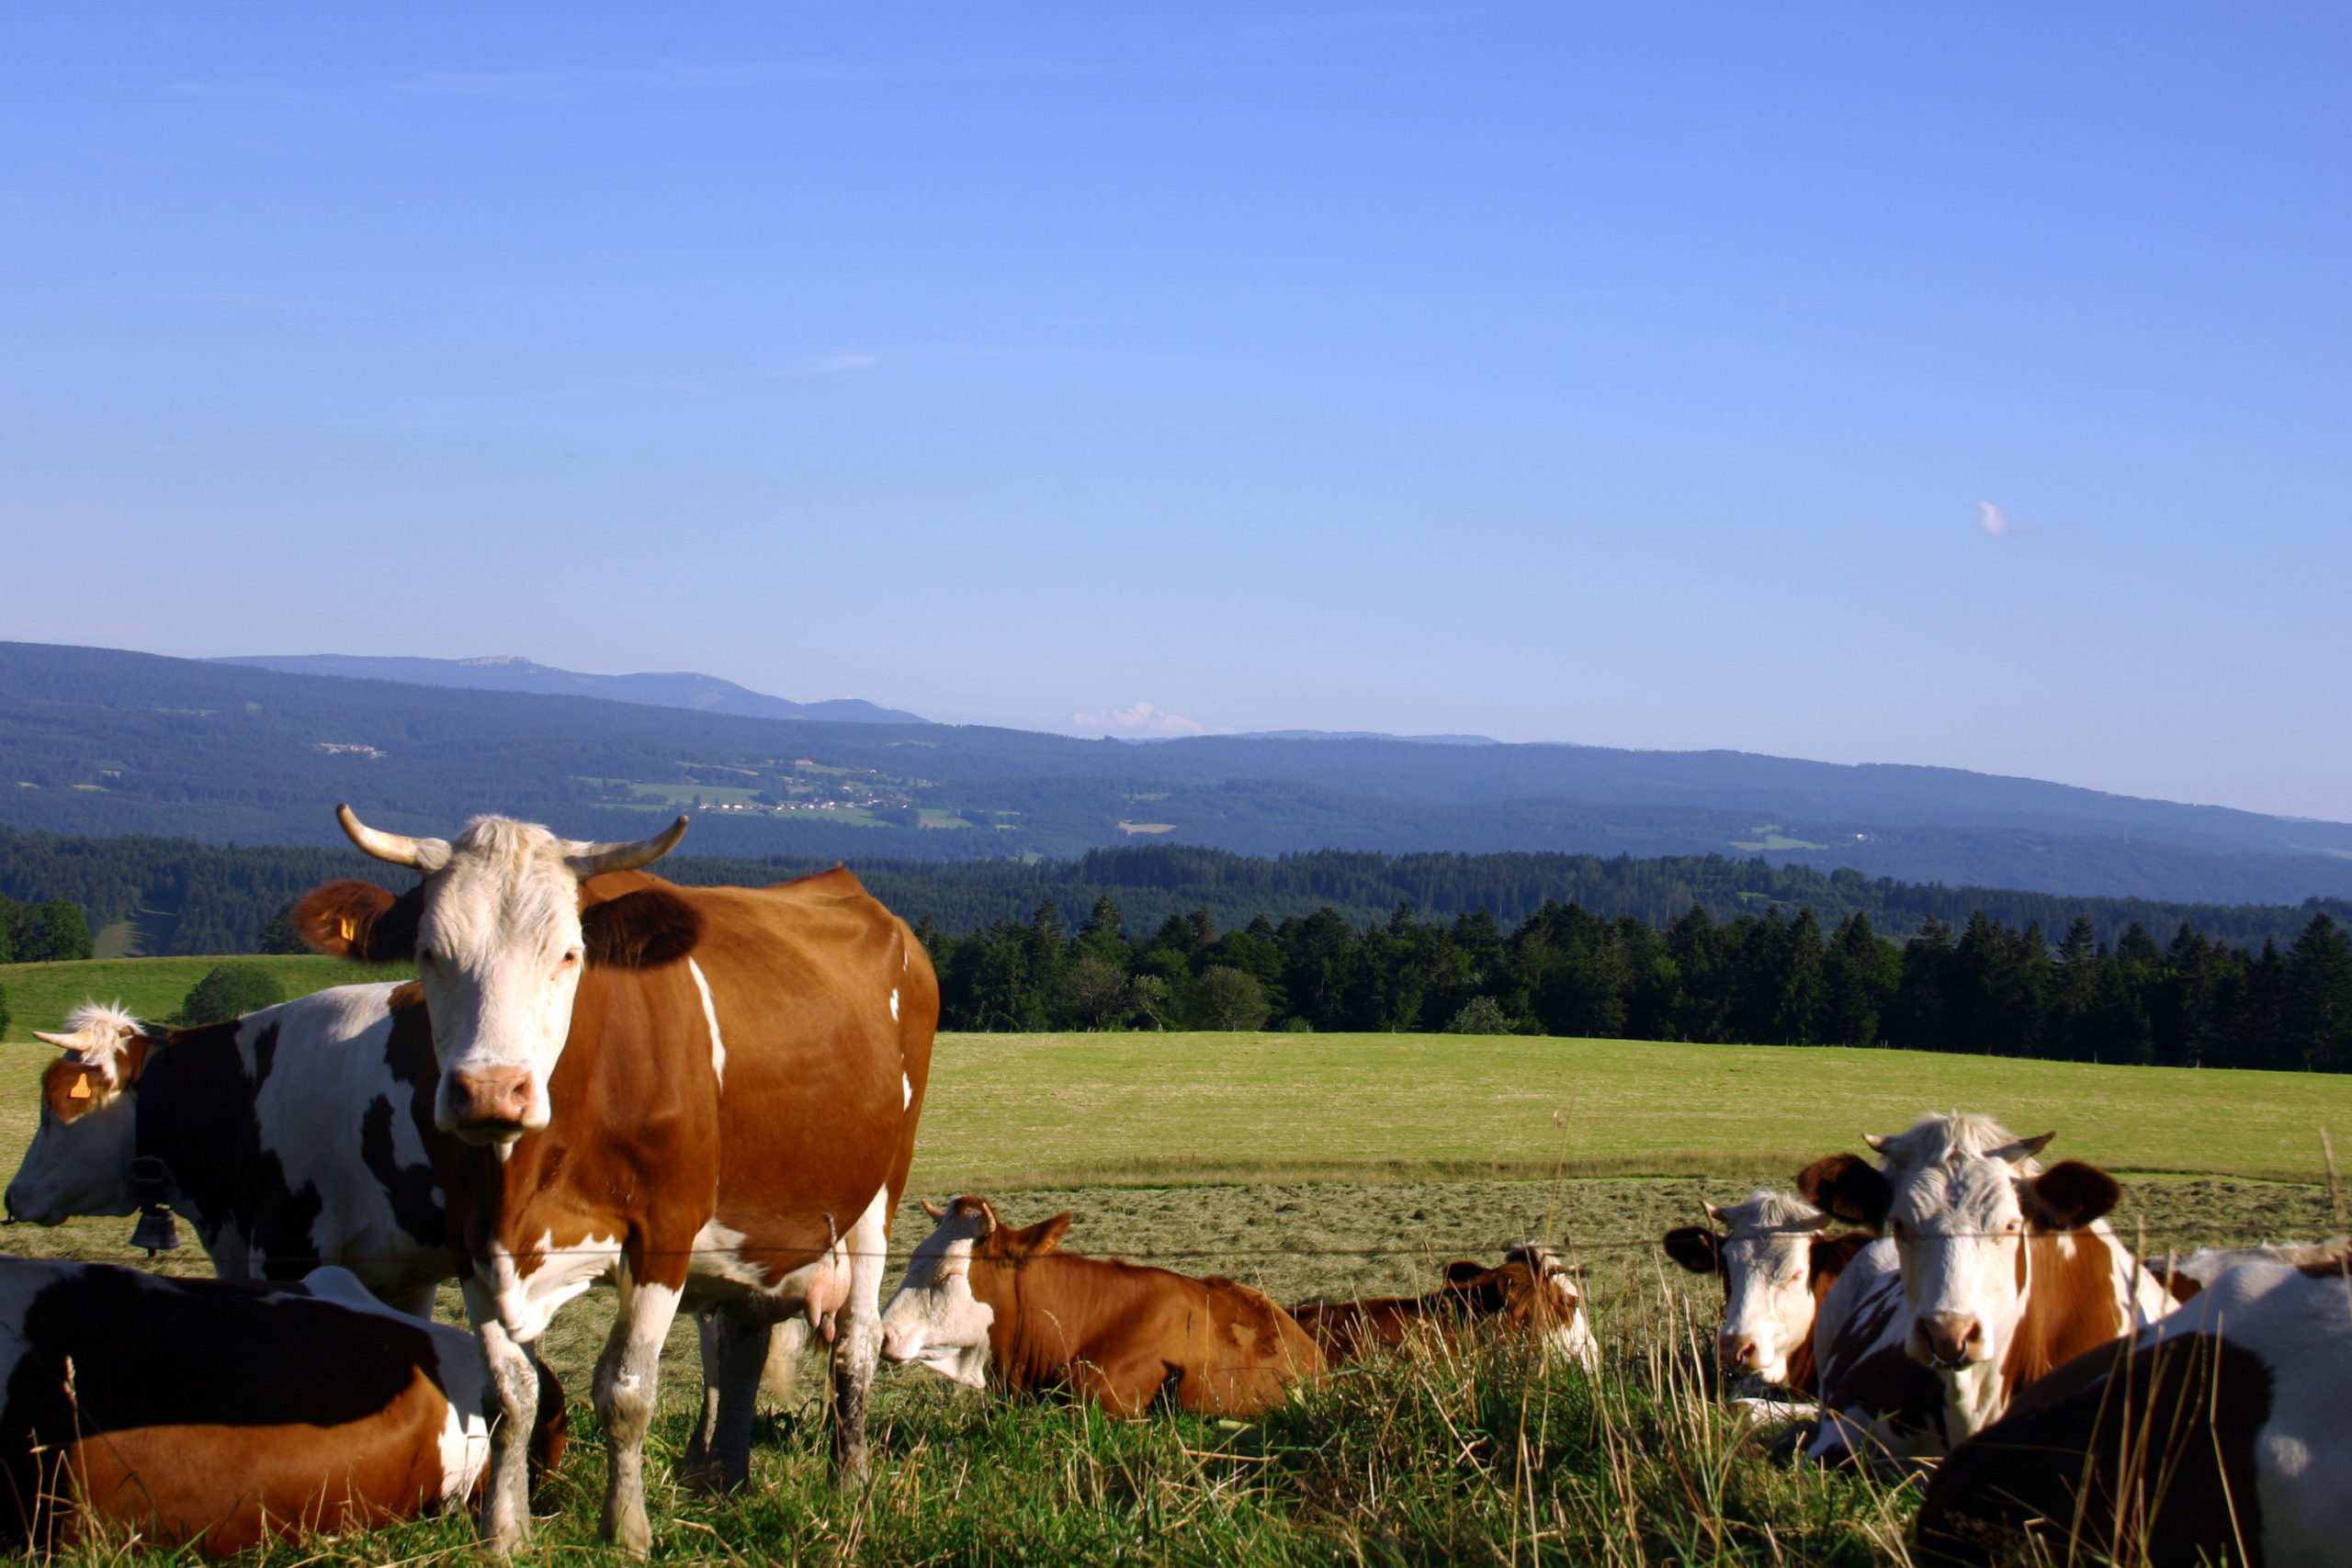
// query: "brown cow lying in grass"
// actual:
[[1532, 1294], [221, 1414], [981, 1296]]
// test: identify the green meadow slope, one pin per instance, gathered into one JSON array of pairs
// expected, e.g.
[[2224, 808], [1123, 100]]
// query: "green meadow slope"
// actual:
[[1015, 1110]]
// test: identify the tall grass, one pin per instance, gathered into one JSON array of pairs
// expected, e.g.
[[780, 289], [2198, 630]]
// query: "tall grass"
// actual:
[[1486, 1454]]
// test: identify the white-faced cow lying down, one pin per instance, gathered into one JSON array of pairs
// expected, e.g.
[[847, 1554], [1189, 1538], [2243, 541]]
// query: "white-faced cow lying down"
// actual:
[[703, 1094], [2218, 1435], [222, 1414], [1532, 1294], [293, 1137], [1777, 1263], [981, 1299], [2008, 1269]]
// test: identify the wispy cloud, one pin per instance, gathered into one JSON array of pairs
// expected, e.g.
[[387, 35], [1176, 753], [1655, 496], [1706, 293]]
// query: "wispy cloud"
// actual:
[[1141, 719], [1996, 521]]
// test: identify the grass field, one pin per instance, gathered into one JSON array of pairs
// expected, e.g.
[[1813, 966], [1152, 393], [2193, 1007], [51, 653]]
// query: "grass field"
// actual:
[[40, 995], [1335, 1164], [1024, 1109]]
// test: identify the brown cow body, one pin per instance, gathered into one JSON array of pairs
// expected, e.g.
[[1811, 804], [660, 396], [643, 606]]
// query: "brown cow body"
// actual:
[[984, 1300], [1528, 1295], [729, 1119], [222, 1414]]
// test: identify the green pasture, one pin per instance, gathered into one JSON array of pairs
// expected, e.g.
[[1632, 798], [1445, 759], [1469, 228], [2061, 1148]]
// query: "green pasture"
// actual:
[[1009, 1110], [40, 995], [1015, 1110]]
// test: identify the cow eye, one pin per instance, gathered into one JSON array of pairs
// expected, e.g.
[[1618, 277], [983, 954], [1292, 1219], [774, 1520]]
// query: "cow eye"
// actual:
[[424, 959]]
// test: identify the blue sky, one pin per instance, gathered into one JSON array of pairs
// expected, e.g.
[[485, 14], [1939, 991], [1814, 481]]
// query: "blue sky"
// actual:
[[1634, 375]]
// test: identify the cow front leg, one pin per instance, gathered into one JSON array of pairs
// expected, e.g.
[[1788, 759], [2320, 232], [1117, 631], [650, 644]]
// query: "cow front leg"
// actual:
[[628, 1377], [734, 1350], [505, 1518], [858, 1344]]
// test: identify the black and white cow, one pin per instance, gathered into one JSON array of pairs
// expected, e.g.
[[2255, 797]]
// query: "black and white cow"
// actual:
[[296, 1136]]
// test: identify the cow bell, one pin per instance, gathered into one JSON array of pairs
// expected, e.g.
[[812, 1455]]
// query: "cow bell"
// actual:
[[157, 1232]]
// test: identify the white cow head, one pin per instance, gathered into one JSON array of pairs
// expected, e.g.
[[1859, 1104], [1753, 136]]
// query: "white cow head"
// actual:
[[80, 1159], [1961, 1195], [1766, 1257], [934, 1319], [496, 932]]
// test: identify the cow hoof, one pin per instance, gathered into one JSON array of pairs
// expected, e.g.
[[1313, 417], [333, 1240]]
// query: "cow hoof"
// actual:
[[704, 1476], [630, 1533]]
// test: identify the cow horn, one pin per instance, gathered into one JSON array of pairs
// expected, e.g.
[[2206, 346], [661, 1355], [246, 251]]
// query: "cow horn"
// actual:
[[589, 860], [62, 1042], [399, 849]]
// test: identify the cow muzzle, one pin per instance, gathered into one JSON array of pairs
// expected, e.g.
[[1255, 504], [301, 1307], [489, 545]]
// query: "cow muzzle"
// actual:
[[1738, 1353], [490, 1105], [1947, 1340]]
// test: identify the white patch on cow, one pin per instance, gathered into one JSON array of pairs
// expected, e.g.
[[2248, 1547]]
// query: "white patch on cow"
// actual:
[[465, 1450], [906, 1092], [710, 1018], [894, 1004], [527, 1304], [933, 1320], [718, 1252], [327, 1071], [2301, 1328]]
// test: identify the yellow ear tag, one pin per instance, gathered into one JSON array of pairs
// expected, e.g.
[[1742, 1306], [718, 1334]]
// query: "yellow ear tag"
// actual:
[[350, 929], [81, 1090]]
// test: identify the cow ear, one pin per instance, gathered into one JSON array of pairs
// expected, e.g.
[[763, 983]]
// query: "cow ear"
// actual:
[[1695, 1249], [361, 920], [933, 1210], [1462, 1270], [643, 930], [1849, 1187], [2069, 1195], [2024, 1148], [1831, 1254], [1035, 1241]]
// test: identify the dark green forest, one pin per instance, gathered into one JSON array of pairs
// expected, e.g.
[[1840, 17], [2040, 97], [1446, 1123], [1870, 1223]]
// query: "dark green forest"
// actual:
[[1701, 947], [1985, 988], [189, 897]]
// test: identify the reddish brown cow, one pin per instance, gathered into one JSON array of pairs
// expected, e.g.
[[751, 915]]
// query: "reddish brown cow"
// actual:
[[980, 1296], [222, 1414], [704, 1094], [1531, 1295]]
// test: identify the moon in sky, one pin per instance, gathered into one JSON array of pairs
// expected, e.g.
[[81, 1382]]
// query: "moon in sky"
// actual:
[[1992, 520]]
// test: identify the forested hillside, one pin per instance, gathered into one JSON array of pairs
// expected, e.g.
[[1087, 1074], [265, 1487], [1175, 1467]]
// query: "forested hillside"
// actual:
[[189, 897], [98, 742], [1987, 988]]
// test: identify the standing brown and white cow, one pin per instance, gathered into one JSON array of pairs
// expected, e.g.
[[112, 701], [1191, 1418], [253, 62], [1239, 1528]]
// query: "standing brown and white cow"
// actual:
[[704, 1094], [2008, 1269]]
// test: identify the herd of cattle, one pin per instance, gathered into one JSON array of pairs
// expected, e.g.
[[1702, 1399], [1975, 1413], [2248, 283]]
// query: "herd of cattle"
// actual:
[[708, 1098]]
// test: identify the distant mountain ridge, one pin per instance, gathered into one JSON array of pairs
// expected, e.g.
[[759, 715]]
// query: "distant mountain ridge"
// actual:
[[512, 672], [102, 742]]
